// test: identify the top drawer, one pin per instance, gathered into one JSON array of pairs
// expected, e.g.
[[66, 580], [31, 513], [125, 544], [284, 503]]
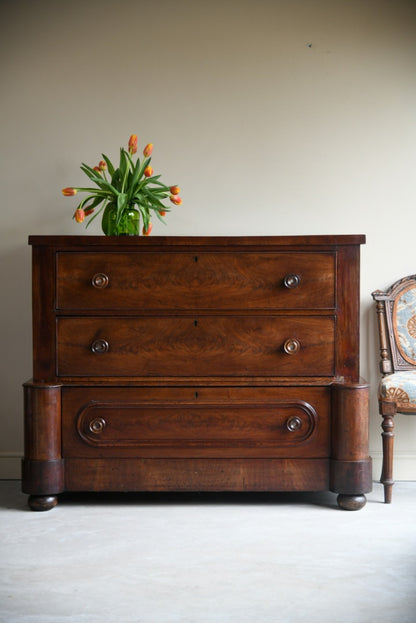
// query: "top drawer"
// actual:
[[222, 280]]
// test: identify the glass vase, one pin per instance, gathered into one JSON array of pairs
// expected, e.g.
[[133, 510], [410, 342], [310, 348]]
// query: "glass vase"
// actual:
[[127, 224]]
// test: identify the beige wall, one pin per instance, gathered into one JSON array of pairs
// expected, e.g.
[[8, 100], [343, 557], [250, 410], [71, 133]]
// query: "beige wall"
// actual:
[[265, 135]]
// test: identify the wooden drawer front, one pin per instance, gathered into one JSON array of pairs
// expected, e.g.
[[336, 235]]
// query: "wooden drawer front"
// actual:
[[116, 422], [131, 281], [206, 346]]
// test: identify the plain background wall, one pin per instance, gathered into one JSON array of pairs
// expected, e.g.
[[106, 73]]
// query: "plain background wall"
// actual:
[[274, 117]]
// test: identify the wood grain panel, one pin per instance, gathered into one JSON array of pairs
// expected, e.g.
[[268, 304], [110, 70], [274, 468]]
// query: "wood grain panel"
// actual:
[[196, 474], [204, 346], [140, 281], [129, 422]]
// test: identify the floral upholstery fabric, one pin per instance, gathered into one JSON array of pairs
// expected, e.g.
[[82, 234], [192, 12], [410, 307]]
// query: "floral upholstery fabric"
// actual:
[[405, 324], [400, 387]]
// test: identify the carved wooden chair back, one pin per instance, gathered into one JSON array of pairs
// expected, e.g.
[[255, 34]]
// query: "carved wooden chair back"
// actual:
[[396, 313]]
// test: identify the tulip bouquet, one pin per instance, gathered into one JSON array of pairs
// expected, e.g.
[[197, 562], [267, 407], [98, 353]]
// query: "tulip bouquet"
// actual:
[[129, 194]]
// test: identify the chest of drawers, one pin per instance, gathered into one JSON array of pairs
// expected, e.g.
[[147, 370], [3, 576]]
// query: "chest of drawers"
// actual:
[[196, 364]]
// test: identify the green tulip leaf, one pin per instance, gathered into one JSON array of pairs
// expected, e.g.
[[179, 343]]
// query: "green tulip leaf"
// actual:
[[160, 183], [95, 215], [121, 202], [109, 165], [135, 178], [160, 217], [106, 220], [99, 180]]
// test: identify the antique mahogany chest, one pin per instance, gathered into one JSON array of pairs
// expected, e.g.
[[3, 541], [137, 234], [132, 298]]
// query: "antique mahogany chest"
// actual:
[[196, 364]]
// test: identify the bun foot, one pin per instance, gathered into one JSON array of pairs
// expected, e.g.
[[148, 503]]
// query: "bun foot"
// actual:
[[351, 502], [42, 502]]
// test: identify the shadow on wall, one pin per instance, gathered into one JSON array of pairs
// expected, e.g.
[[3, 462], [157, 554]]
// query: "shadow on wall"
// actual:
[[16, 341], [372, 374]]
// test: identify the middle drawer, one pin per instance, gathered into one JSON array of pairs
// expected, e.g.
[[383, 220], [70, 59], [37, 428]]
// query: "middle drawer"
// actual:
[[190, 346]]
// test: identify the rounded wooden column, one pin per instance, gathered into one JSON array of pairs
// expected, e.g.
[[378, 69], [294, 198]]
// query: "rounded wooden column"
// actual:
[[42, 466], [351, 474]]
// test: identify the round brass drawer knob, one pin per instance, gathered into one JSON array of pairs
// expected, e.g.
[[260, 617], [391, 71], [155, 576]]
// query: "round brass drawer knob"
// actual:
[[291, 346], [291, 281], [294, 423], [100, 281], [97, 425], [100, 346]]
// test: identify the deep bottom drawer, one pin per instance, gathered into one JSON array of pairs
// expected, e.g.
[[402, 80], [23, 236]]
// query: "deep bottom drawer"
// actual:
[[209, 422]]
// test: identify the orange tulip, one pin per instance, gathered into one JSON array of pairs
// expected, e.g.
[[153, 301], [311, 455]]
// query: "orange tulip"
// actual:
[[132, 144], [176, 200], [97, 169], [162, 212], [79, 215], [102, 165], [69, 192], [175, 190], [146, 232], [147, 151], [148, 172], [88, 211]]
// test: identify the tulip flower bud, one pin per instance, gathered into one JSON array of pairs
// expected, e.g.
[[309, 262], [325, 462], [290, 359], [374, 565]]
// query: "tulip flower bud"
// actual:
[[146, 232], [79, 215], [162, 212], [69, 192], [88, 211], [148, 172], [97, 170], [175, 190], [147, 151], [132, 144], [102, 165], [176, 200]]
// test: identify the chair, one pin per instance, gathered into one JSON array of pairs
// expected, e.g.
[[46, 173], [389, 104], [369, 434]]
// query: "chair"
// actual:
[[396, 313]]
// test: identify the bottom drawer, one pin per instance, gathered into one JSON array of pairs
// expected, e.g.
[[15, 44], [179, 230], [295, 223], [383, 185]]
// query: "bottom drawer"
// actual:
[[196, 422]]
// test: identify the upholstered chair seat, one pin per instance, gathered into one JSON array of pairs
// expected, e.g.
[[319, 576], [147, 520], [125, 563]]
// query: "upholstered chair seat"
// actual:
[[400, 387]]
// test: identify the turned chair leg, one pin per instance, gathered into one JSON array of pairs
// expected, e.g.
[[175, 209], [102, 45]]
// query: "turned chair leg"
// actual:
[[387, 470]]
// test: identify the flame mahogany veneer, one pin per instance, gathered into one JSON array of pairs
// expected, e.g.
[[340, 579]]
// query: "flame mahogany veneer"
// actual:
[[196, 364]]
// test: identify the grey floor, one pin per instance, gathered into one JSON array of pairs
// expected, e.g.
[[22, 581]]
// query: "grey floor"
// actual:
[[281, 558]]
